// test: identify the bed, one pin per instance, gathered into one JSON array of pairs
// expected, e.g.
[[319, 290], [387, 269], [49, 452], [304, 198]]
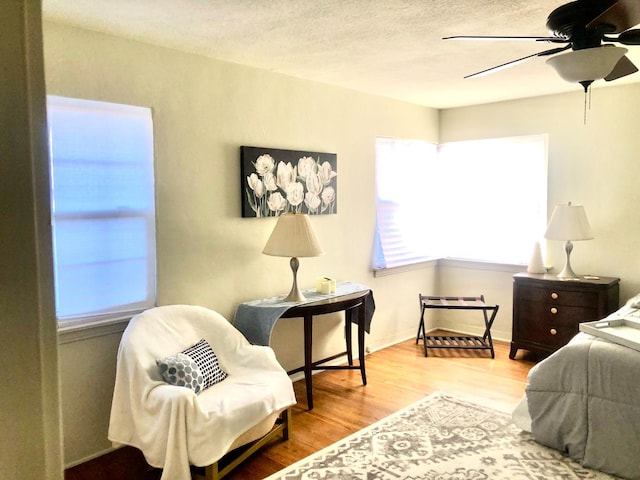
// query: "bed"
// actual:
[[585, 400]]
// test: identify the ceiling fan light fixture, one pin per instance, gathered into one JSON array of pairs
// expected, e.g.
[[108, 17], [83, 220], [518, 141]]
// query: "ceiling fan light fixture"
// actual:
[[587, 64]]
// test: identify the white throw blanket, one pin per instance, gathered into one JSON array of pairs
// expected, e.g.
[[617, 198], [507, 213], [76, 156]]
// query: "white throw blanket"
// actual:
[[173, 426]]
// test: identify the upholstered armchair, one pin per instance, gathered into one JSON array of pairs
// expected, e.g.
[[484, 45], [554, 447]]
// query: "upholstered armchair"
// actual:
[[190, 388]]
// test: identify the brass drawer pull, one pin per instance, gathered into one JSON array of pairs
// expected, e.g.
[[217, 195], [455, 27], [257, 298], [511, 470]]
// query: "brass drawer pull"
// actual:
[[554, 295], [554, 310], [553, 331]]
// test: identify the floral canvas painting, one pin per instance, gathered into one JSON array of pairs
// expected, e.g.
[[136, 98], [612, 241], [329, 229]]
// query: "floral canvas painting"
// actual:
[[280, 181]]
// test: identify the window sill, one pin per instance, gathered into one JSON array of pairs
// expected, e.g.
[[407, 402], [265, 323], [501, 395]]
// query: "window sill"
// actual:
[[383, 272], [482, 265], [82, 329], [452, 263]]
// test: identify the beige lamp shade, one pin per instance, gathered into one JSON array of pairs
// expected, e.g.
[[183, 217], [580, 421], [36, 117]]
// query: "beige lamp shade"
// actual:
[[587, 64], [568, 223], [293, 236]]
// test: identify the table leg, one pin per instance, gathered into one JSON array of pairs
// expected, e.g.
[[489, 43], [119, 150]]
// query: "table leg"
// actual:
[[308, 334], [348, 315], [361, 351]]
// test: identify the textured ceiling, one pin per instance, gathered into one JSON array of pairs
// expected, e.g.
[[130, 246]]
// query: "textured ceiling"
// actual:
[[385, 47]]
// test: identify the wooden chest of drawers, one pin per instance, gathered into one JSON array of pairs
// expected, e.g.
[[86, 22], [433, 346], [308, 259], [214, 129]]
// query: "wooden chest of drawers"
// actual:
[[547, 311]]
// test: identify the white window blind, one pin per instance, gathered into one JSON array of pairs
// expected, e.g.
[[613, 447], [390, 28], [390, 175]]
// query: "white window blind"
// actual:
[[404, 178], [478, 200], [103, 208], [496, 197]]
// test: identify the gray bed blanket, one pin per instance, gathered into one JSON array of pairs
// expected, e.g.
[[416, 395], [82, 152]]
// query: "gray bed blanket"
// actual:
[[585, 400]]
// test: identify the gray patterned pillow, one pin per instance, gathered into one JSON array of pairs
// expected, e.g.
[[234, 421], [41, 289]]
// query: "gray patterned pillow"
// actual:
[[196, 367], [182, 371]]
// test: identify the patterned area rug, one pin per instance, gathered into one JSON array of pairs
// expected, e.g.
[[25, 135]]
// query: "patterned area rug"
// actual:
[[439, 438]]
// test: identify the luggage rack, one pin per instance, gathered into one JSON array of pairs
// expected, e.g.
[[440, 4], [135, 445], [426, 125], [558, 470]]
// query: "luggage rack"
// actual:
[[469, 342]]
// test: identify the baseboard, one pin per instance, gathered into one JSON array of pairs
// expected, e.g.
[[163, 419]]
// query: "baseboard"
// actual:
[[496, 336], [368, 349], [93, 456], [390, 341]]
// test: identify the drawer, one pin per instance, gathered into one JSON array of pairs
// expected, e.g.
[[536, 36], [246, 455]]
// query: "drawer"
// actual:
[[539, 323], [551, 336], [555, 296], [531, 313]]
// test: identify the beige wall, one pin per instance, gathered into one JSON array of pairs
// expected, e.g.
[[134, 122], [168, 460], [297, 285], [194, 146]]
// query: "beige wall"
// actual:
[[203, 111]]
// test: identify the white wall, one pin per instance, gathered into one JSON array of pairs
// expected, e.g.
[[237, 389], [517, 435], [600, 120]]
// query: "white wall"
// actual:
[[203, 111]]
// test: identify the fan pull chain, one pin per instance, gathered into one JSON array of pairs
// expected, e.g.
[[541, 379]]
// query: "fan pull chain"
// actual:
[[586, 84]]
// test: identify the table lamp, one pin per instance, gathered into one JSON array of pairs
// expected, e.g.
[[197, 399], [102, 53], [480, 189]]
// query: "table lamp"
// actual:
[[293, 237], [569, 223]]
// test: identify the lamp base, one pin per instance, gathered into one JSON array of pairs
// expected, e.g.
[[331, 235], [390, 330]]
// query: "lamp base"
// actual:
[[567, 272], [294, 295]]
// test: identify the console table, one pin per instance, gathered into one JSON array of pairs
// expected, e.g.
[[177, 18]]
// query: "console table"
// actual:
[[257, 318]]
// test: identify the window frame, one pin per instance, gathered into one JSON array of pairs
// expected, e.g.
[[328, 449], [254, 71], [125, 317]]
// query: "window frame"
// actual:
[[440, 168], [110, 318]]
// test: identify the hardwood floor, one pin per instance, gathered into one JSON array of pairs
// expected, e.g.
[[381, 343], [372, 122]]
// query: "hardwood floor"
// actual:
[[397, 376]]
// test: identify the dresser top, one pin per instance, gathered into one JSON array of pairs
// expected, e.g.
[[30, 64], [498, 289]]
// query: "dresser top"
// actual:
[[554, 280]]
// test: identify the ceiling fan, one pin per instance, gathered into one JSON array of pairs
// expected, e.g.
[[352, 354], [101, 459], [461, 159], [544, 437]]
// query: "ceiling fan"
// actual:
[[585, 27]]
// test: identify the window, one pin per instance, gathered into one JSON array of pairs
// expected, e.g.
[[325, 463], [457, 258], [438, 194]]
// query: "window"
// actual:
[[479, 200], [103, 209]]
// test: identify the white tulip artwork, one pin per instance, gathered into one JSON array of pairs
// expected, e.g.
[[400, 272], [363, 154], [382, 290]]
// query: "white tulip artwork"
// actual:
[[281, 181]]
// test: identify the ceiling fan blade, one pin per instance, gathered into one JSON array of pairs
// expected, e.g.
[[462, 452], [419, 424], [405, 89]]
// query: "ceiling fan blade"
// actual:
[[517, 61], [630, 37], [622, 15], [497, 68], [503, 37], [623, 68]]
